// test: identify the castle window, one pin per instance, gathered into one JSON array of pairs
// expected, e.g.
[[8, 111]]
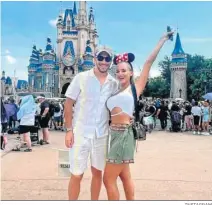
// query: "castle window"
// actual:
[[68, 25]]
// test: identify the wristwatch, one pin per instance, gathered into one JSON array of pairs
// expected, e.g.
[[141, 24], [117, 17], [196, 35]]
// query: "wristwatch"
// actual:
[[69, 129]]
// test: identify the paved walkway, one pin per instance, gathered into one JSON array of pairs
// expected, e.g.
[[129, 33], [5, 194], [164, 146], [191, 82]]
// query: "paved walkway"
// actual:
[[169, 166]]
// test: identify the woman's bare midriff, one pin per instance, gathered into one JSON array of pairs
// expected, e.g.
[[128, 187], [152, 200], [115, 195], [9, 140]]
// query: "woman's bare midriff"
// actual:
[[121, 119]]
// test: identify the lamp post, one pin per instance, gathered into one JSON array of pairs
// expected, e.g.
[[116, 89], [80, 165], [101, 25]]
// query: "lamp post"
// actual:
[[205, 84], [197, 91], [180, 91]]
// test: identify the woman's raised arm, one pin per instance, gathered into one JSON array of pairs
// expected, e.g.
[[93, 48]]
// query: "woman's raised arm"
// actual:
[[142, 79]]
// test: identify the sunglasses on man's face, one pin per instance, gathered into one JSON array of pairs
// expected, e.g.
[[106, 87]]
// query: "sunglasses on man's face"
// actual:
[[101, 58]]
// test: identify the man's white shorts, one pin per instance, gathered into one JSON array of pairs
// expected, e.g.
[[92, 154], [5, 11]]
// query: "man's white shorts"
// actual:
[[82, 149]]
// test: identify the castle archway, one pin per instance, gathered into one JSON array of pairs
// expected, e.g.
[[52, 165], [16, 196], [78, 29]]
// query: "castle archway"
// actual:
[[68, 69]]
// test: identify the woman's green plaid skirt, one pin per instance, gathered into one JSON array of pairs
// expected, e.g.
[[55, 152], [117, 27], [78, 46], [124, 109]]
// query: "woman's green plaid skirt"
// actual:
[[121, 146]]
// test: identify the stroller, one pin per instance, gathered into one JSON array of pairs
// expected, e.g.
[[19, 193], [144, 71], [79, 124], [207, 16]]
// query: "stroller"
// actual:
[[147, 120], [175, 122], [34, 132]]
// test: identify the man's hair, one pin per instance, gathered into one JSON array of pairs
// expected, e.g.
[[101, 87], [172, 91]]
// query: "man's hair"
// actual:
[[196, 103]]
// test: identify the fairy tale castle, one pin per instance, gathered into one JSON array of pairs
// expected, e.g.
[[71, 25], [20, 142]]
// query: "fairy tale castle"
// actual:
[[53, 69]]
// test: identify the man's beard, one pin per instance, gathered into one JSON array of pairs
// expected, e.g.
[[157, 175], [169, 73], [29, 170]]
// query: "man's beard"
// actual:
[[101, 71]]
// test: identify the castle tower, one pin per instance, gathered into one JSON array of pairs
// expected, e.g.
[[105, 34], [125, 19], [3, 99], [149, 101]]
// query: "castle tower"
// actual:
[[3, 80], [178, 71], [48, 66], [83, 32], [73, 32], [92, 28], [32, 69], [88, 58]]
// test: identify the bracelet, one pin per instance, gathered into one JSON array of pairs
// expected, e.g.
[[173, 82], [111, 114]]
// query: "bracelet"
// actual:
[[69, 129]]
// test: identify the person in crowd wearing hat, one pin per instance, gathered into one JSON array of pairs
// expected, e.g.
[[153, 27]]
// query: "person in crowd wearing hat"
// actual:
[[26, 115], [205, 117], [44, 117], [87, 127], [121, 139]]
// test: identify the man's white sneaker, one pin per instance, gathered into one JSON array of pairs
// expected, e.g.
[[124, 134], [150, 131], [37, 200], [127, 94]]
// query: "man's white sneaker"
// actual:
[[199, 133], [194, 132]]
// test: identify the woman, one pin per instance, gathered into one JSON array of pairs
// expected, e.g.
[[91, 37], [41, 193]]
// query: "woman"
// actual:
[[26, 115], [121, 140], [205, 119]]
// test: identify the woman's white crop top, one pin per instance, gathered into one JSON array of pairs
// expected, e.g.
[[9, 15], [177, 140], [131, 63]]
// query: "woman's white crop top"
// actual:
[[123, 100]]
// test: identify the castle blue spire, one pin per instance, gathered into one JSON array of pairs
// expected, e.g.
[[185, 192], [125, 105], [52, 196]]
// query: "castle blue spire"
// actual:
[[35, 54], [49, 45], [75, 9], [88, 58], [178, 50], [179, 58]]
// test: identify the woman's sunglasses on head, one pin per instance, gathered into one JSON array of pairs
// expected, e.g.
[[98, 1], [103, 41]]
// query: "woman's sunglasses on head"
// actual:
[[101, 58]]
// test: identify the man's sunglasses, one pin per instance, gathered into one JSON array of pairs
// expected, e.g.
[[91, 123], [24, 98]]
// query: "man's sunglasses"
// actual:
[[101, 58]]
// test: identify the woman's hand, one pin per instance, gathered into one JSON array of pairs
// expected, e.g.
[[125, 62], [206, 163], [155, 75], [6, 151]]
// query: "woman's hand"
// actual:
[[167, 35]]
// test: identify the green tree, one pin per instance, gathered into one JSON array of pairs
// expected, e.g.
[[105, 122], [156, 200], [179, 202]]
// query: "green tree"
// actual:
[[164, 66], [157, 87]]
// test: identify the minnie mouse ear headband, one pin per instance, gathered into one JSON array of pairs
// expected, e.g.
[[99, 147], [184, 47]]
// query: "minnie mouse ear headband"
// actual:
[[125, 57]]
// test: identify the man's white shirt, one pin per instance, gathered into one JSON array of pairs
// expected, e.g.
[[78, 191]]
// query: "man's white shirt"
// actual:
[[91, 115], [196, 111]]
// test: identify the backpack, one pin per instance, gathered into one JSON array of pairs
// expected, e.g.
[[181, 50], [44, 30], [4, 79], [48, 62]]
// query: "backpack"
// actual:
[[176, 117], [51, 109], [57, 108]]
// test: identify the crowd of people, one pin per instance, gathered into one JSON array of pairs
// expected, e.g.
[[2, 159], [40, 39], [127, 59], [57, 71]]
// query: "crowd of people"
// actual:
[[28, 113], [194, 116]]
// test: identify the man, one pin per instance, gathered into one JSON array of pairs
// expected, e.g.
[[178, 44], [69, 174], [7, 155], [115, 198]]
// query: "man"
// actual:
[[44, 117], [58, 115], [87, 133], [188, 116], [162, 115], [196, 112]]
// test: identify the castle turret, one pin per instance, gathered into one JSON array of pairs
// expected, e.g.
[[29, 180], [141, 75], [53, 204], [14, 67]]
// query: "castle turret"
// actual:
[[3, 76], [88, 58], [92, 29], [75, 9], [33, 67], [83, 28], [48, 66], [82, 14], [178, 71]]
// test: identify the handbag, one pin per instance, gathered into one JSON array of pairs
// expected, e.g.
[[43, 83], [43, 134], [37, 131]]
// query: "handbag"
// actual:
[[139, 130]]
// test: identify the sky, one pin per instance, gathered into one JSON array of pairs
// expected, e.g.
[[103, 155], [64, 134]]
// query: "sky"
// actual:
[[124, 26]]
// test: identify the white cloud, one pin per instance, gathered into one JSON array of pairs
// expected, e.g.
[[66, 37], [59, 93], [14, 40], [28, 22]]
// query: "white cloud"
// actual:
[[7, 51], [154, 72], [10, 59], [196, 40], [53, 22], [20, 66]]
